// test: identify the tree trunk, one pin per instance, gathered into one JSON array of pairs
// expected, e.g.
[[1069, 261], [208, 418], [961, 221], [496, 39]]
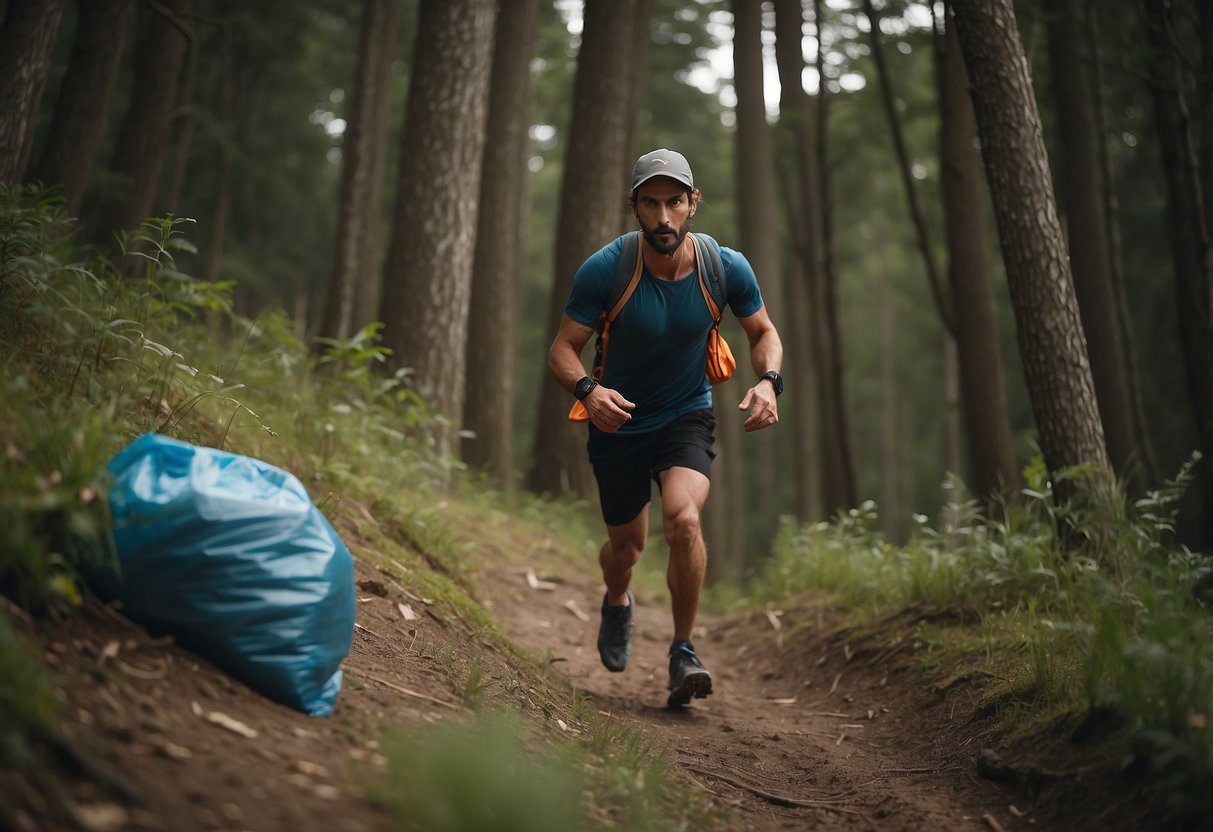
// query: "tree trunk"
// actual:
[[500, 242], [81, 105], [143, 134], [27, 35], [1050, 332], [982, 375], [838, 479], [1079, 189], [1111, 205], [942, 301], [367, 290], [428, 278], [597, 152], [356, 259], [226, 152], [1188, 224]]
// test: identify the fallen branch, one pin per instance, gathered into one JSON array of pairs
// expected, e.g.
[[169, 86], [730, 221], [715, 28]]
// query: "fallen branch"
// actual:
[[777, 799], [408, 692]]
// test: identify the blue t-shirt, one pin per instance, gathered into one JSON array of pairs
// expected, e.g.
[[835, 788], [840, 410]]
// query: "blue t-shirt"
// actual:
[[657, 356]]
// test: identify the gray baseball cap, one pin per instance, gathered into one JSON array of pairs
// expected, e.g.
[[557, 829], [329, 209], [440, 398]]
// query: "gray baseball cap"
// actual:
[[662, 162]]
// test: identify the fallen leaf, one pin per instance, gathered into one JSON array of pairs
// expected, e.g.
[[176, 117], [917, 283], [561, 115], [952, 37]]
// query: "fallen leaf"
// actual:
[[407, 612], [572, 607], [791, 700], [773, 617], [110, 650], [1016, 811], [101, 817], [196, 708], [310, 769], [563, 726], [534, 582], [233, 725], [172, 750]]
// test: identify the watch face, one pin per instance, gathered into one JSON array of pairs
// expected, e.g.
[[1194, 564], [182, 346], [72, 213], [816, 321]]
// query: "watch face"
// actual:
[[584, 387]]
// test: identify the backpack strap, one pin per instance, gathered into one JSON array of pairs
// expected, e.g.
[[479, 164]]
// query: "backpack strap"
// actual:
[[711, 274], [628, 272], [627, 275]]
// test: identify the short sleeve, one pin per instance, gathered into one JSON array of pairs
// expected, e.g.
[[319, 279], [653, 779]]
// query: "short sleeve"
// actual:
[[745, 298], [592, 285]]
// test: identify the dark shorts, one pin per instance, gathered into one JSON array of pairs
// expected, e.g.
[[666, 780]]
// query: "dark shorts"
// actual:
[[624, 465]]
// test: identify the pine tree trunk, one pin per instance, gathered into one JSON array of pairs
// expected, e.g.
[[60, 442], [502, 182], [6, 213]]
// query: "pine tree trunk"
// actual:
[[428, 277], [1079, 189], [1188, 223], [597, 152], [81, 106], [27, 35], [982, 372], [144, 132], [1050, 333], [838, 477], [355, 259], [500, 243]]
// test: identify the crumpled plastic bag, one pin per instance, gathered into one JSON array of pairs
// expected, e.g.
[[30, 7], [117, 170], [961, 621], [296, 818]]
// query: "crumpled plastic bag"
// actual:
[[230, 555]]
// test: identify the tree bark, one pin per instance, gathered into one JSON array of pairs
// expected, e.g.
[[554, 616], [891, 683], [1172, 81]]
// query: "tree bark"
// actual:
[[428, 278], [838, 478], [1080, 192], [356, 258], [142, 137], [589, 204], [83, 100], [943, 301], [1049, 328], [981, 368], [1188, 224], [500, 243], [27, 35]]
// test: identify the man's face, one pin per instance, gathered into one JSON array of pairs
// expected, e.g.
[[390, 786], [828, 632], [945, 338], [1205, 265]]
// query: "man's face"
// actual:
[[664, 209]]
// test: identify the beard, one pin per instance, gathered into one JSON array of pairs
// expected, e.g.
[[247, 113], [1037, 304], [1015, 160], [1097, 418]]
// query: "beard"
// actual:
[[650, 234]]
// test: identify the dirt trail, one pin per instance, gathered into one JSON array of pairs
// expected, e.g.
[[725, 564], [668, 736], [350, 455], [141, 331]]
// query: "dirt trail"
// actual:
[[810, 736]]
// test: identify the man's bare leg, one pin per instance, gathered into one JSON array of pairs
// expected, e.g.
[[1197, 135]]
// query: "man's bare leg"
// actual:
[[683, 493], [620, 554]]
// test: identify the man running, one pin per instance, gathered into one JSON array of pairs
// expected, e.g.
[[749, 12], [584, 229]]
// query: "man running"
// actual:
[[650, 411]]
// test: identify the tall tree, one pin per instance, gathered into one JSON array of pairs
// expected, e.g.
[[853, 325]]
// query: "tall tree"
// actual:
[[83, 100], [798, 150], [500, 242], [887, 97], [27, 34], [356, 258], [428, 277], [1079, 188], [981, 369], [1049, 327], [597, 151], [1188, 223], [143, 135]]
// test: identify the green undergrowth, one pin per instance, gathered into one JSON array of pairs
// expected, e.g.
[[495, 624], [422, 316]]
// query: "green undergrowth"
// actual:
[[97, 349], [1090, 630]]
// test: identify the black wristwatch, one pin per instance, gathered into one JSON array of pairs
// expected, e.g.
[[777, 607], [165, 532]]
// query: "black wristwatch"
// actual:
[[584, 387], [776, 380]]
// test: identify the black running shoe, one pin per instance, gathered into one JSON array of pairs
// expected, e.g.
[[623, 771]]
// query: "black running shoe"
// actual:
[[614, 634], [688, 678]]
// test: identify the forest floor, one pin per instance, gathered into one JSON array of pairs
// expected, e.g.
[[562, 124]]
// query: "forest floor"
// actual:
[[809, 726]]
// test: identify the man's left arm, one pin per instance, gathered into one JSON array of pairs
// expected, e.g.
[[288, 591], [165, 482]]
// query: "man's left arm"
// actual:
[[766, 353]]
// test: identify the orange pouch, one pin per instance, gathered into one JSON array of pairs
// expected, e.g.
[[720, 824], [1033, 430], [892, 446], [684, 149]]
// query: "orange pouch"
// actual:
[[721, 362]]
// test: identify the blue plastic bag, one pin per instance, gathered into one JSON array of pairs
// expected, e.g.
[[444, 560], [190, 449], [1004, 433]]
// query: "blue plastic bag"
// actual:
[[230, 555]]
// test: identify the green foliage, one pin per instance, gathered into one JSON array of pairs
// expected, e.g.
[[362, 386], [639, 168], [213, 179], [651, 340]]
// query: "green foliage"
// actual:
[[478, 778], [1083, 608], [27, 703]]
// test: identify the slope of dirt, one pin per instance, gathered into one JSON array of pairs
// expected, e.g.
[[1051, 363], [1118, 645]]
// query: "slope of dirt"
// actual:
[[802, 732]]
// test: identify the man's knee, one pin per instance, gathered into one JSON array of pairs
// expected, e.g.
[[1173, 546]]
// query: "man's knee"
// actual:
[[682, 528]]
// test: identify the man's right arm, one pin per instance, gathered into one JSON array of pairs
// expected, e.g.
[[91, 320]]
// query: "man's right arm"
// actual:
[[607, 408]]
